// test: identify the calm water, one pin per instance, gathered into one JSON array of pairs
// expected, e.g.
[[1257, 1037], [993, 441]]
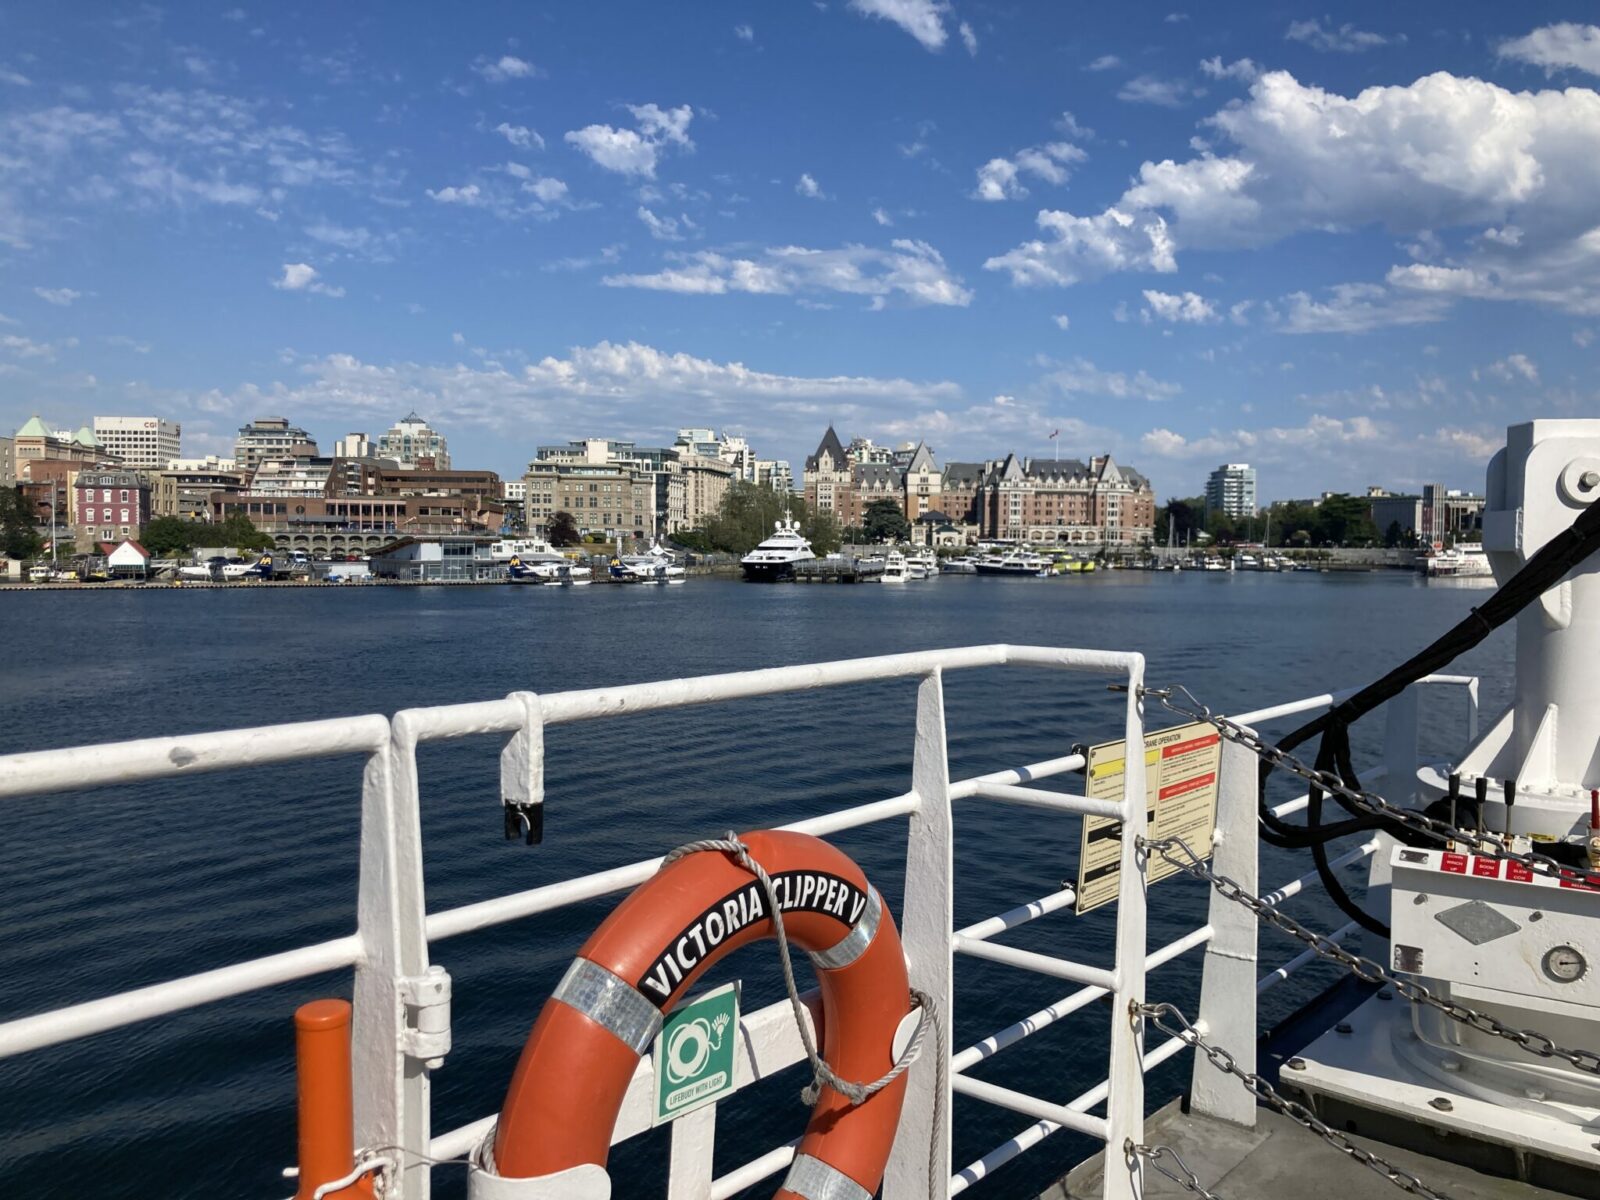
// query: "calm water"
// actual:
[[122, 887]]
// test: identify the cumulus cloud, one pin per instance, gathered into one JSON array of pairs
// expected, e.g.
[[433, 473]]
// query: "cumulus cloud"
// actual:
[[520, 136], [1357, 308], [968, 39], [504, 69], [666, 229], [1079, 376], [881, 217], [1564, 46], [1062, 322], [1187, 308], [1152, 89], [744, 33], [1244, 70], [912, 272], [1439, 154], [1346, 39], [1106, 62], [809, 188], [1328, 436], [636, 151], [1512, 367], [14, 78], [302, 277], [922, 19], [60, 297], [1000, 178]]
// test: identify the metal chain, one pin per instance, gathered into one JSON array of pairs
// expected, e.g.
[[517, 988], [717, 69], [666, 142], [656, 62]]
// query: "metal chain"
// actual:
[[1180, 1028], [1363, 968], [1188, 1181], [1483, 844]]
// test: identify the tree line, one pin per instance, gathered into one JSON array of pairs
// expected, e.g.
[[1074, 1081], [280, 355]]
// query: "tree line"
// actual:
[[746, 516], [1339, 520]]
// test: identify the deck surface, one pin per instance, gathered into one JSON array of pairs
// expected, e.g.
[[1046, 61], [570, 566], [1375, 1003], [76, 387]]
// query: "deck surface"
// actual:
[[1278, 1160]]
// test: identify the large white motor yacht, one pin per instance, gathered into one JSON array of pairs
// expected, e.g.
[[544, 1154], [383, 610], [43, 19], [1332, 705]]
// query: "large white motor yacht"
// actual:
[[775, 558]]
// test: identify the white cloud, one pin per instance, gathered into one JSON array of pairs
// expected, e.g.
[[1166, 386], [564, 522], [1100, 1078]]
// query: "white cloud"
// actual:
[[809, 188], [999, 178], [1583, 338], [666, 229], [1558, 47], [1346, 39], [125, 342], [1188, 308], [520, 136], [546, 188], [1513, 366], [1244, 69], [26, 348], [1438, 154], [302, 277], [968, 38], [635, 151], [881, 217], [60, 297], [1062, 322], [1357, 308], [911, 272], [1079, 376], [504, 69], [1322, 436], [922, 19], [1151, 89], [1173, 18], [14, 78], [468, 195], [744, 33], [1105, 62]]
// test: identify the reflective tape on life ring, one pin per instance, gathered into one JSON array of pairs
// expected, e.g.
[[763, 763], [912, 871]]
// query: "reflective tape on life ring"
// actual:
[[612, 1003], [854, 944], [814, 1179]]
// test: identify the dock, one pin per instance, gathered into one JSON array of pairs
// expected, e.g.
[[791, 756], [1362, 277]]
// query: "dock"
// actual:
[[837, 570]]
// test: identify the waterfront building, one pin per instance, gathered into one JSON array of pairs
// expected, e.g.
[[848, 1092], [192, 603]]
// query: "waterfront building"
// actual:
[[1066, 502], [632, 471], [960, 486], [453, 557], [142, 443], [35, 443], [109, 504], [705, 482], [862, 450], [869, 483], [353, 445], [338, 525], [516, 492], [266, 437], [185, 487], [300, 472], [1389, 510], [923, 483], [1231, 490], [1447, 514], [774, 473], [411, 443], [828, 478]]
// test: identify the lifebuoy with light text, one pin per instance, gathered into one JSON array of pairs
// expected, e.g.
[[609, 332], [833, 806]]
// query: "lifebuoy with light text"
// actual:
[[567, 1092]]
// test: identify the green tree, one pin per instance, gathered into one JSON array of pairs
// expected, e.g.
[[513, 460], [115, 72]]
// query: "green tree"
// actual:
[[749, 511], [885, 521], [167, 537], [821, 529], [1187, 519], [240, 531], [18, 536], [563, 530], [1394, 535]]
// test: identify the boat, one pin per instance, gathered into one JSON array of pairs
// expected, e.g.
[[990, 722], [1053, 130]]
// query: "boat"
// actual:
[[1211, 563], [775, 558], [963, 564], [655, 566], [895, 569], [1247, 562], [923, 565], [1454, 1053], [1013, 562], [1457, 562], [1076, 566]]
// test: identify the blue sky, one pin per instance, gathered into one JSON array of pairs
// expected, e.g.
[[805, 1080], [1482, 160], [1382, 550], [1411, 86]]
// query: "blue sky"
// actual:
[[1349, 249]]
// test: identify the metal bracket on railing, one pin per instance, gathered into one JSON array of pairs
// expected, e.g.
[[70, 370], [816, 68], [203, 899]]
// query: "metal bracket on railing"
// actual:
[[427, 1027], [522, 773]]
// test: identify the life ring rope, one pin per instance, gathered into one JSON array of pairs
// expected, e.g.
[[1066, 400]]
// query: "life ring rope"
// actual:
[[845, 952]]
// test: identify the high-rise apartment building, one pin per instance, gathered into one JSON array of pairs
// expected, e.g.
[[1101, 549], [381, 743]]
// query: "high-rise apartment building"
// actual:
[[142, 443], [1231, 490], [266, 437], [353, 445], [412, 444]]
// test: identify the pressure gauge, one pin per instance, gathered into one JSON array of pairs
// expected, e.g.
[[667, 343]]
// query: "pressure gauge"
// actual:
[[1564, 964]]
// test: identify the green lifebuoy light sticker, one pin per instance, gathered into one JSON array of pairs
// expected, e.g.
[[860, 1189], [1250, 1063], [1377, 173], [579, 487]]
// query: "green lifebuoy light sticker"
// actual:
[[694, 1053]]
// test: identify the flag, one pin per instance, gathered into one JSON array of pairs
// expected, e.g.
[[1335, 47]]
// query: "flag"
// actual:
[[1053, 432]]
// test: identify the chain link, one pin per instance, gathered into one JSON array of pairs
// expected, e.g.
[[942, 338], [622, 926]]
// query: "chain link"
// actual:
[[1171, 1021], [1188, 1180], [1364, 968], [1483, 844]]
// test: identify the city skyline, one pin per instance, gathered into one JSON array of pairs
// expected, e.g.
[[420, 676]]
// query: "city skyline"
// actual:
[[538, 226]]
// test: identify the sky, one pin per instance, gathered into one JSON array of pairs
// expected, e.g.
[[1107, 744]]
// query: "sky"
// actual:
[[1349, 249]]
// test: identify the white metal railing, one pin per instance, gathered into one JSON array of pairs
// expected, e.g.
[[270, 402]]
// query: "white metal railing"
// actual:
[[390, 948]]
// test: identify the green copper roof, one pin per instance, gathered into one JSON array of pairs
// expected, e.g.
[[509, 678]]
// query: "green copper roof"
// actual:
[[33, 428], [85, 437]]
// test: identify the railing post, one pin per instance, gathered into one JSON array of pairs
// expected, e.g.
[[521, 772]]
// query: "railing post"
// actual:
[[391, 1088], [1400, 747], [1228, 986], [927, 914], [1125, 1081], [694, 1137]]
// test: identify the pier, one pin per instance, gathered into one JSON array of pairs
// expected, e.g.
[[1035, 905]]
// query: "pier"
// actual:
[[837, 570]]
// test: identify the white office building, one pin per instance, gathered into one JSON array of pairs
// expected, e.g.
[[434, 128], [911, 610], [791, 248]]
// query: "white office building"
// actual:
[[264, 438], [142, 443], [409, 441], [1231, 490]]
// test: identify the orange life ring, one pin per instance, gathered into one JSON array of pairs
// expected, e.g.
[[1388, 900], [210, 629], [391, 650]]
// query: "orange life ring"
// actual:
[[651, 950]]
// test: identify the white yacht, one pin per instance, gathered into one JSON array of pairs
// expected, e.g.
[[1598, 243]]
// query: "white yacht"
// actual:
[[1015, 562], [896, 569], [1458, 562], [923, 565], [963, 564], [775, 558]]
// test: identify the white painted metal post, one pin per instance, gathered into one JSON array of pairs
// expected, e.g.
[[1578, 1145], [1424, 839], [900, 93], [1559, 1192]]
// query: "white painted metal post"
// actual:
[[1400, 748], [694, 1136], [1228, 986], [1125, 1097], [391, 1088], [928, 916]]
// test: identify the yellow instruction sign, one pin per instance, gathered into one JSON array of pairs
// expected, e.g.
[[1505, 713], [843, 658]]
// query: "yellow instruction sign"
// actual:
[[1180, 784]]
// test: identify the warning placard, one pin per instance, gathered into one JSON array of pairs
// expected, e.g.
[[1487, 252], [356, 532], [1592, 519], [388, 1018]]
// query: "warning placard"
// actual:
[[1180, 787]]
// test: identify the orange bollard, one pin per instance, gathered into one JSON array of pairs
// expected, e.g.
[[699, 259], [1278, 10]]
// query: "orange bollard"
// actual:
[[327, 1112]]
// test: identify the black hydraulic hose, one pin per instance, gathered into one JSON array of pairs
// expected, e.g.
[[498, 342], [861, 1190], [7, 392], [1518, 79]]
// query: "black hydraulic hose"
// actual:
[[1541, 572]]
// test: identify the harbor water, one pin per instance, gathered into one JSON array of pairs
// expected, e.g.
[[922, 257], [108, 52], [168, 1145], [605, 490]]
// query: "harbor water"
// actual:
[[121, 887]]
